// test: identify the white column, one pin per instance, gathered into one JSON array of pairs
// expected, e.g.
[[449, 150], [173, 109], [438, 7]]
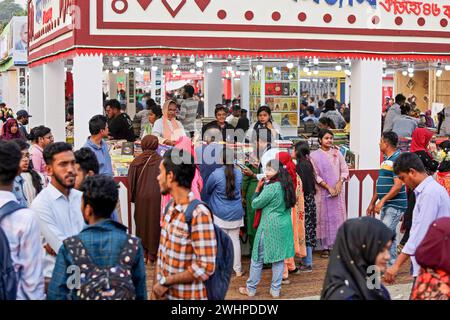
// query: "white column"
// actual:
[[112, 86], [213, 90], [87, 93], [366, 110], [245, 91], [54, 99], [36, 97]]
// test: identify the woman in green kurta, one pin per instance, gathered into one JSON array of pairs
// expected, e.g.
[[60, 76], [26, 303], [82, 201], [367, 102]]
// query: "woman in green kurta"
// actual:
[[274, 241], [249, 184]]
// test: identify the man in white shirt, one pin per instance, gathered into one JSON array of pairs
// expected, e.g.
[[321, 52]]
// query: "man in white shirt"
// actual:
[[432, 203], [21, 229], [58, 207]]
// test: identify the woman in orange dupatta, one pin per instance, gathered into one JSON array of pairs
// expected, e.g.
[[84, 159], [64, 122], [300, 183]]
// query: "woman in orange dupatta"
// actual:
[[298, 217]]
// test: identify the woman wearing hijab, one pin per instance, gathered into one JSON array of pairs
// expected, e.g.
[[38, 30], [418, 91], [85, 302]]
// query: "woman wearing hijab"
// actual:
[[10, 130], [433, 256], [360, 244], [168, 129], [421, 138], [145, 193], [297, 216]]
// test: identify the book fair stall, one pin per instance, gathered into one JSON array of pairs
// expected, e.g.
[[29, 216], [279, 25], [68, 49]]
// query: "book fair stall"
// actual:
[[351, 50]]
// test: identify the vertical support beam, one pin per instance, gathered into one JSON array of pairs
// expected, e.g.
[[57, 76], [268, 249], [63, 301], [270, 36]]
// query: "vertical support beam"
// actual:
[[245, 91], [87, 92], [213, 90], [36, 96], [366, 111], [112, 86], [54, 99]]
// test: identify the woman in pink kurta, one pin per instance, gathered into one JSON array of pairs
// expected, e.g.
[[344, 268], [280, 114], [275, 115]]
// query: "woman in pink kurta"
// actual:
[[331, 173]]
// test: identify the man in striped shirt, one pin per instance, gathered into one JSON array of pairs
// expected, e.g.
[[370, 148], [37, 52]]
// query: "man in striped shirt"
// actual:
[[188, 111], [390, 192], [187, 254]]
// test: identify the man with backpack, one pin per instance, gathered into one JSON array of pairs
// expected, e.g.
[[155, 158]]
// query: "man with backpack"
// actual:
[[190, 245], [21, 275], [102, 262]]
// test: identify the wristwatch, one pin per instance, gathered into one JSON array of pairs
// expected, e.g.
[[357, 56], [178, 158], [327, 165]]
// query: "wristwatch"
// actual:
[[163, 281]]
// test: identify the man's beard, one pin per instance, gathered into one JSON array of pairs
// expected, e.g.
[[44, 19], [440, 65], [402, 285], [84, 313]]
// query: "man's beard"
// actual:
[[164, 190], [62, 183]]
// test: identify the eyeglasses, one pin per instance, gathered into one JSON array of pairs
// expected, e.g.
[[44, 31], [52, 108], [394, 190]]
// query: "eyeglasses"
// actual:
[[49, 138]]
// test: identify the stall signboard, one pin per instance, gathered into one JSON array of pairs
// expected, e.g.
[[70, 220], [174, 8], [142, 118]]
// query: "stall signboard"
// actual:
[[312, 21], [49, 19], [20, 40], [14, 41], [333, 28]]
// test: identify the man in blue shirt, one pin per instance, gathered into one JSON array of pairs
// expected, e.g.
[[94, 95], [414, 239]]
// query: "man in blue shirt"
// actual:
[[390, 192], [310, 115], [103, 239], [98, 127]]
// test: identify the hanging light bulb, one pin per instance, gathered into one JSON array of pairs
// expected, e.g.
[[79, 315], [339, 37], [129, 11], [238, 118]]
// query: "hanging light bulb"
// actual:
[[410, 69], [116, 63], [289, 65], [411, 74], [174, 66], [238, 73], [316, 71], [347, 72], [126, 59], [404, 73], [316, 61], [447, 67], [107, 71], [439, 73], [338, 67], [259, 67], [127, 71], [154, 68], [306, 69], [243, 73], [138, 69], [309, 73], [192, 70], [192, 59], [114, 71], [199, 64], [142, 62], [229, 68], [209, 68]]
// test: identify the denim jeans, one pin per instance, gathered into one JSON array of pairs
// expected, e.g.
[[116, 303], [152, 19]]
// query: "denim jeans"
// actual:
[[308, 261], [256, 269], [391, 216]]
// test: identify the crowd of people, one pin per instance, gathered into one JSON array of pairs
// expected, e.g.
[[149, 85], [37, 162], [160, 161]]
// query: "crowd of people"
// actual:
[[59, 207]]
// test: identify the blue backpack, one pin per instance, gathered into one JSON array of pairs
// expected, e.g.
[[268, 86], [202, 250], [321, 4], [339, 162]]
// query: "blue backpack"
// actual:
[[8, 276], [218, 283]]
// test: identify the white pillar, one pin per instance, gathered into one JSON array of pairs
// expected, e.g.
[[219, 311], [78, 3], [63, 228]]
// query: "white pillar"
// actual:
[[36, 97], [213, 90], [54, 99], [87, 94], [112, 86], [366, 110], [245, 91]]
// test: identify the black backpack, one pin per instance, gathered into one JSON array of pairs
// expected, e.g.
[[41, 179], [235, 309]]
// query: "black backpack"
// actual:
[[218, 283], [110, 283], [8, 276]]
